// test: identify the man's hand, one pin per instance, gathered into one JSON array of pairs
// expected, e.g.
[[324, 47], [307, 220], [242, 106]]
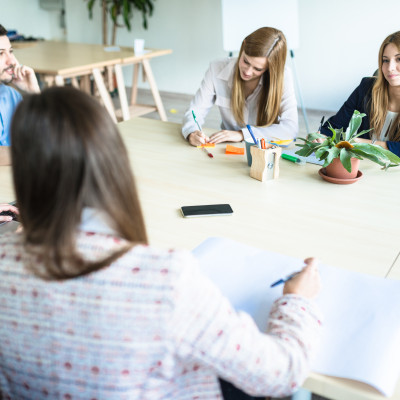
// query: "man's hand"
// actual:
[[25, 79]]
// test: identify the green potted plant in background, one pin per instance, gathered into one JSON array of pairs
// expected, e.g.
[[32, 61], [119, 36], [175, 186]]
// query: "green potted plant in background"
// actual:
[[124, 9], [341, 153]]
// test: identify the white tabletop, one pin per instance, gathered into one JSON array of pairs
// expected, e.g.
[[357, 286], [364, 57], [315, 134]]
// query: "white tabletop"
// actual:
[[349, 226]]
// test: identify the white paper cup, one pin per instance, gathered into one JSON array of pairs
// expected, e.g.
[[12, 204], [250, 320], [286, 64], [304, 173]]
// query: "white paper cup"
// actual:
[[138, 46]]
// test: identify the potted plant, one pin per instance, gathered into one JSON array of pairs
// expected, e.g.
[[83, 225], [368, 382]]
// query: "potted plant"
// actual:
[[342, 152], [123, 8]]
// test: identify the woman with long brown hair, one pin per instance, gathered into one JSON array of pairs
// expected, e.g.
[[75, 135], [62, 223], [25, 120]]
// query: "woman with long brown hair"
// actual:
[[379, 98], [90, 310], [253, 89]]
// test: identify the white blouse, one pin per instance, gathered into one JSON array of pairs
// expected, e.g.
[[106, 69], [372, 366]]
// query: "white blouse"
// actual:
[[216, 89], [390, 117]]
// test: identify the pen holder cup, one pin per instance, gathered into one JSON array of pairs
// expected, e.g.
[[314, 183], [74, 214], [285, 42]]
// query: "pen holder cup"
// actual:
[[248, 153], [265, 163]]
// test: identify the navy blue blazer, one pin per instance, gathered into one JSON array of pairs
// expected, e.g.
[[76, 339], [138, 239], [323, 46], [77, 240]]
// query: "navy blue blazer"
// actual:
[[358, 100]]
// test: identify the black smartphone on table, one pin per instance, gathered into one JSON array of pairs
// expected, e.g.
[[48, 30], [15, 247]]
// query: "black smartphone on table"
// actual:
[[206, 210]]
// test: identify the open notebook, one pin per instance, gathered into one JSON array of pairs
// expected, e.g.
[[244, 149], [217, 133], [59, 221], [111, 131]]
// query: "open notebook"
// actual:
[[361, 329]]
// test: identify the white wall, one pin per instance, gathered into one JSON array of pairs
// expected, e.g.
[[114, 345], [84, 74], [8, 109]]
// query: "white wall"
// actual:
[[339, 44], [191, 28], [339, 40], [29, 19]]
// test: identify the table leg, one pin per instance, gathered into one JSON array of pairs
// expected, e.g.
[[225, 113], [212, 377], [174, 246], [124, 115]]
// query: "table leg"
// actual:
[[154, 90], [59, 80], [122, 92], [104, 95], [135, 83], [74, 82], [48, 80], [85, 83], [110, 79]]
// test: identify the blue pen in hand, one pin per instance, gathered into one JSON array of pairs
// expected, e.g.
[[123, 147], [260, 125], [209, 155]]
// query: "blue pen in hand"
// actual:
[[251, 133], [283, 280], [204, 149]]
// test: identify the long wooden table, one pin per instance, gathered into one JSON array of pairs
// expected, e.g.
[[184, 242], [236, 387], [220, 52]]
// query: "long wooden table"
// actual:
[[347, 226], [57, 61]]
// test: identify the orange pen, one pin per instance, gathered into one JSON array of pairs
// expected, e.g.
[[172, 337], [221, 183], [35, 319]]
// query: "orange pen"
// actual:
[[263, 144]]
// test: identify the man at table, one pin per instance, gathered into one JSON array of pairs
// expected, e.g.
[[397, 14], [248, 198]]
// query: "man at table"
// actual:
[[23, 78]]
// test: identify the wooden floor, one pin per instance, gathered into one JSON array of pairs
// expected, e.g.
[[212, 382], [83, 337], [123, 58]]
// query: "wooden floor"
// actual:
[[176, 104]]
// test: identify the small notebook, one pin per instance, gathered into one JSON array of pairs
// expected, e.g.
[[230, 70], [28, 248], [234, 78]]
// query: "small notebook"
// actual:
[[281, 143]]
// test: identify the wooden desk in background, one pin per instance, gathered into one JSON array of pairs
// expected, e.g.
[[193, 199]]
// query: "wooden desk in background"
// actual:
[[298, 214], [57, 61]]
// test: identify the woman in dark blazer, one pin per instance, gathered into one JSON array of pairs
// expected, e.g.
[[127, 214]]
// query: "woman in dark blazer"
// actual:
[[379, 98]]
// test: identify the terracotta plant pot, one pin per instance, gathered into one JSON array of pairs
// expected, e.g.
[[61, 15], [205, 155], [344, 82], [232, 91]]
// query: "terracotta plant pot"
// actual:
[[336, 170]]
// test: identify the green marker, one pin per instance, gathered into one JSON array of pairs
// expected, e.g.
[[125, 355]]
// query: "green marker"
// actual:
[[195, 120], [293, 159]]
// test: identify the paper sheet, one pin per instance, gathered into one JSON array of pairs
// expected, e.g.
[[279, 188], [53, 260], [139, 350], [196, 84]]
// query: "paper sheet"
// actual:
[[361, 330]]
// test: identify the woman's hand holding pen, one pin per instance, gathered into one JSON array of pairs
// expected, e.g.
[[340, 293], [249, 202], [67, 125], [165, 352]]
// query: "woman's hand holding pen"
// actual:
[[307, 282], [226, 136], [320, 140], [197, 138]]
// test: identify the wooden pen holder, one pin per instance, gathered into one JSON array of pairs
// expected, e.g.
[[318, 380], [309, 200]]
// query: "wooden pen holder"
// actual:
[[265, 164]]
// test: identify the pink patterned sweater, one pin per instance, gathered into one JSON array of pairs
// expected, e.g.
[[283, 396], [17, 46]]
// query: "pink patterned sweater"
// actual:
[[149, 326]]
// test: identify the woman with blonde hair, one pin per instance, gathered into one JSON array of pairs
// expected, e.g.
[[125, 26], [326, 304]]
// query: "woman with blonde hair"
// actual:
[[89, 310], [379, 98], [253, 89]]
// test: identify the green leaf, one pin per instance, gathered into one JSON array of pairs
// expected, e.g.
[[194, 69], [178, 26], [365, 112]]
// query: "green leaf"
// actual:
[[333, 131], [384, 163], [333, 152], [321, 151], [359, 134], [377, 154], [305, 151], [354, 125], [345, 158], [114, 13], [90, 8], [339, 135], [126, 13], [315, 135]]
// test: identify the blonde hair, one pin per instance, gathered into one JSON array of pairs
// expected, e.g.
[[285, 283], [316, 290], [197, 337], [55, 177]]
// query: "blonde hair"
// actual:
[[380, 96], [270, 43]]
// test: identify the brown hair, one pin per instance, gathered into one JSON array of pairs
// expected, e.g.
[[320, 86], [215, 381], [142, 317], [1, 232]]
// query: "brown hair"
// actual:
[[270, 43], [67, 154], [3, 31], [380, 96]]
